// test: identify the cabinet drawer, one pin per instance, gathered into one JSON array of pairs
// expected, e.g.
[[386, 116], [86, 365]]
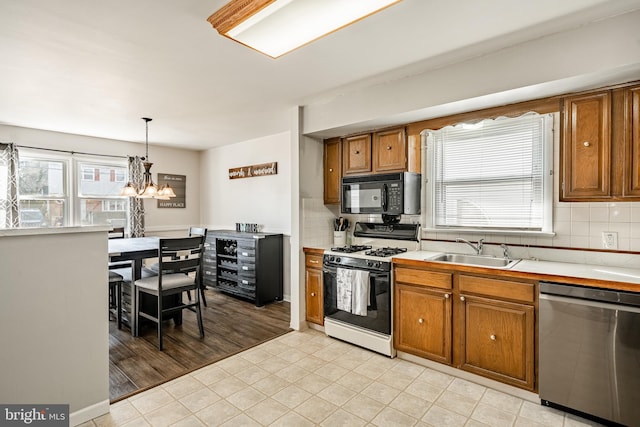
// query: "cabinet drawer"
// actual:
[[246, 268], [246, 244], [246, 253], [432, 279], [505, 289], [313, 261]]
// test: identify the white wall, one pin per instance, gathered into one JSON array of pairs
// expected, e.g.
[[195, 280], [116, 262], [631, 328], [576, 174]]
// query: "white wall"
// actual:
[[165, 160], [53, 320], [265, 200]]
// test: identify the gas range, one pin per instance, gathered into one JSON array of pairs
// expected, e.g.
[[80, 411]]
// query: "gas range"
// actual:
[[383, 253], [361, 257]]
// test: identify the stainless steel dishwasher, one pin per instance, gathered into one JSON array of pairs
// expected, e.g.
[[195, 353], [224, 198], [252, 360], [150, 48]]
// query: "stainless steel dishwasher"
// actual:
[[589, 357]]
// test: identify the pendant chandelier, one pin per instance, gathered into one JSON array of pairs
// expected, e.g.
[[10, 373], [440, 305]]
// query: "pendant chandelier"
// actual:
[[149, 188]]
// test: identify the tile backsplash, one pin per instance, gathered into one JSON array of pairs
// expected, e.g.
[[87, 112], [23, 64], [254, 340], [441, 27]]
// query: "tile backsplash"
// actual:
[[576, 225]]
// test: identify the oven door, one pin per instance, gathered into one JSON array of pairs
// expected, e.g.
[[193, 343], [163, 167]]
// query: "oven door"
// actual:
[[378, 316]]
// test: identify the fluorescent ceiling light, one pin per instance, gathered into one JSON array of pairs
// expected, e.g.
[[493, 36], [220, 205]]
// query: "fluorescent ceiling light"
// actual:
[[276, 27]]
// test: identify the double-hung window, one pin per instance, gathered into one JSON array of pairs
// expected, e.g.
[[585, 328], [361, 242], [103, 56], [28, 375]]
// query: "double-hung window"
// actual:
[[492, 176], [43, 189], [98, 199]]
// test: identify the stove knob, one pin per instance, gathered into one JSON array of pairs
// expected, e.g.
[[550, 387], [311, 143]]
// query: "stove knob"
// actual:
[[369, 264], [378, 264], [338, 259]]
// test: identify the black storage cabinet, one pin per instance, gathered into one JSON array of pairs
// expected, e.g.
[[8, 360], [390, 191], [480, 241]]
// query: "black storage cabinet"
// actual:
[[248, 265]]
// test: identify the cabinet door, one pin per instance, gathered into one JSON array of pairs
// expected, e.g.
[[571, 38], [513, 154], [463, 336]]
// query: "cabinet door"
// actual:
[[332, 171], [498, 340], [632, 149], [315, 307], [390, 151], [586, 147], [356, 154], [422, 322]]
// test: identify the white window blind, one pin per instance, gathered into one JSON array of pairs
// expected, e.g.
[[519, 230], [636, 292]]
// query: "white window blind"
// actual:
[[491, 175]]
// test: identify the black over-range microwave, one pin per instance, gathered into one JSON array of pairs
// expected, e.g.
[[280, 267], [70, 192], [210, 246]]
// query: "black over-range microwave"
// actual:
[[389, 194]]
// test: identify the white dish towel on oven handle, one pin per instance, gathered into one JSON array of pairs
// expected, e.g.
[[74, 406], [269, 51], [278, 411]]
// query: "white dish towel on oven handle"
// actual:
[[344, 280], [360, 292]]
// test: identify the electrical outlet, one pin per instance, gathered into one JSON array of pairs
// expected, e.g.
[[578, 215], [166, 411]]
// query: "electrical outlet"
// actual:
[[610, 240]]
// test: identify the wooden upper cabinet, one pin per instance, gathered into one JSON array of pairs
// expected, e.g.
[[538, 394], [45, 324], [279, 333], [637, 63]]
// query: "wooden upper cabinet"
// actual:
[[332, 171], [631, 187], [586, 146], [356, 154], [390, 151]]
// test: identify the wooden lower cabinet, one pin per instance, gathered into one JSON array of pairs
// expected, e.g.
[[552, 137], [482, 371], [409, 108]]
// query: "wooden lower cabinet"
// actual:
[[423, 322], [481, 324], [497, 340], [313, 289]]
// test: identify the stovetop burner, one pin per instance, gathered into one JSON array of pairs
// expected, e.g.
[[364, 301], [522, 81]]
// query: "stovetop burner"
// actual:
[[386, 252], [350, 249]]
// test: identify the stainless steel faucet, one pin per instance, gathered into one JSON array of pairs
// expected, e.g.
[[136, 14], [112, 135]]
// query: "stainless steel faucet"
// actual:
[[477, 247], [505, 252]]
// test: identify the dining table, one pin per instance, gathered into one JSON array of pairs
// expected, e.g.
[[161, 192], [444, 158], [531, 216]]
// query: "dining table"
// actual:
[[135, 250]]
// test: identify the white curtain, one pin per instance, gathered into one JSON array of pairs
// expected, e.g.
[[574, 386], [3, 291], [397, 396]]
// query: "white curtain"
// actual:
[[9, 213], [136, 205]]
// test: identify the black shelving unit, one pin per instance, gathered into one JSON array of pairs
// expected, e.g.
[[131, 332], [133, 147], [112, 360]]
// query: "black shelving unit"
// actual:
[[247, 265]]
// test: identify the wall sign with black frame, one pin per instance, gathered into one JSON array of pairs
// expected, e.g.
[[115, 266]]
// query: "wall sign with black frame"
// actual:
[[178, 183]]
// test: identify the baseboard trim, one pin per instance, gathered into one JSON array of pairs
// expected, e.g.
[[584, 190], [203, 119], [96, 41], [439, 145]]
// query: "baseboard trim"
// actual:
[[90, 412]]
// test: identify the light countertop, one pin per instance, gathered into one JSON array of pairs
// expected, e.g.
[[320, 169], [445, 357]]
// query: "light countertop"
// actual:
[[581, 274]]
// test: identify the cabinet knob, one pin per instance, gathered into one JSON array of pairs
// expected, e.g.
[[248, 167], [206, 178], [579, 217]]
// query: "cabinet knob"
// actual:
[[493, 337], [388, 147], [586, 143], [357, 152], [313, 294], [330, 169], [461, 298], [421, 320], [447, 296]]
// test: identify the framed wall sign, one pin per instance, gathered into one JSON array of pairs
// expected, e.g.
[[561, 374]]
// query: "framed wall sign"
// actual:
[[254, 170], [178, 183]]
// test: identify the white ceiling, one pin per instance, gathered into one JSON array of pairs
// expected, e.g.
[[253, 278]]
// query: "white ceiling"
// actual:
[[96, 67]]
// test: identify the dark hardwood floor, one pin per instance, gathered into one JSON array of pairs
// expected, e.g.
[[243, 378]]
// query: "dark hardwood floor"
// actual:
[[231, 325]]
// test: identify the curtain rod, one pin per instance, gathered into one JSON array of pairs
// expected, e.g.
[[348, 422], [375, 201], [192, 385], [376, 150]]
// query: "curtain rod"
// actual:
[[72, 152]]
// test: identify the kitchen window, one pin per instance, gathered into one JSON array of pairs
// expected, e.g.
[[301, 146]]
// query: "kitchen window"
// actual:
[[492, 176], [58, 190]]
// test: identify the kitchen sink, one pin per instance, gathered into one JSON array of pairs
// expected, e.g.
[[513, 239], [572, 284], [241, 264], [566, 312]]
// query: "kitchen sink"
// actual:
[[477, 260]]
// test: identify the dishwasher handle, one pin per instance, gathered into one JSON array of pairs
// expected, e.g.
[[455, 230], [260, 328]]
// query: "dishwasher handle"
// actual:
[[590, 303], [592, 294]]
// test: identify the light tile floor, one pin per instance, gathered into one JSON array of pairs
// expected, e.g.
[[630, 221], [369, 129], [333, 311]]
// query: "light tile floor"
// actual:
[[306, 379]]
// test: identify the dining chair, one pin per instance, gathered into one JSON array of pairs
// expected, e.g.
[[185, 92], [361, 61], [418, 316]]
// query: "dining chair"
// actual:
[[116, 280], [177, 258], [193, 231], [115, 296], [117, 233], [199, 231]]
